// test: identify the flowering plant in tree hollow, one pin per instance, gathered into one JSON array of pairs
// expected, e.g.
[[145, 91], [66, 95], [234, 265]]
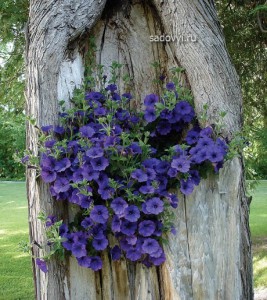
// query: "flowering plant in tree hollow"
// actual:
[[122, 168]]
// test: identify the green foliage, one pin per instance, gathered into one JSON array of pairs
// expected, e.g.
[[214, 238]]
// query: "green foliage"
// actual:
[[12, 143], [246, 44], [259, 8], [13, 18]]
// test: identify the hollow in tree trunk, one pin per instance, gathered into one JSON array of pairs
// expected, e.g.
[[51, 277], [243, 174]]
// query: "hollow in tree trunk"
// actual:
[[210, 257]]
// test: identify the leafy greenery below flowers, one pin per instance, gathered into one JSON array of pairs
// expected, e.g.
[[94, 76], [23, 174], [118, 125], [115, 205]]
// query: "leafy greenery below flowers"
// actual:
[[119, 165]]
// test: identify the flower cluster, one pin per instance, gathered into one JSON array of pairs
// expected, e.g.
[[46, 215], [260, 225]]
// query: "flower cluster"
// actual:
[[120, 166]]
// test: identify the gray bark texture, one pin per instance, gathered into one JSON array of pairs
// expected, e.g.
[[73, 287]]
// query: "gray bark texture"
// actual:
[[210, 257]]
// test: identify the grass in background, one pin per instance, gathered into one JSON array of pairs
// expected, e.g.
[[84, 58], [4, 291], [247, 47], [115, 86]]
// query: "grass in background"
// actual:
[[258, 226], [15, 267]]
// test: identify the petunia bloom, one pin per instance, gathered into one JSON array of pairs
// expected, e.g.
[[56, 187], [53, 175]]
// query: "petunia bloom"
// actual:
[[146, 228], [154, 206], [99, 214], [132, 213], [42, 265]]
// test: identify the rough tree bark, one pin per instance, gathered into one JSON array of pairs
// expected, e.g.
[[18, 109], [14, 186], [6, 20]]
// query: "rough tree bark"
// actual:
[[210, 258]]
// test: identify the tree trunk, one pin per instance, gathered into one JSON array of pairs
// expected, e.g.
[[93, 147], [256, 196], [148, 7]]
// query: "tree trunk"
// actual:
[[210, 258]]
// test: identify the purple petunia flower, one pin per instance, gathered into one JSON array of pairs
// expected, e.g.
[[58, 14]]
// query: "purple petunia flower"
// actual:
[[159, 227], [164, 127], [151, 174], [132, 213], [214, 154], [84, 261], [133, 255], [181, 164], [86, 223], [150, 246], [125, 246], [78, 176], [151, 100], [173, 200], [116, 224], [151, 163], [95, 152], [154, 206], [80, 237], [222, 145], [195, 177], [128, 227], [62, 164], [95, 263], [206, 132], [63, 229], [100, 163], [61, 185], [218, 166], [105, 191], [128, 96], [99, 214], [157, 261], [102, 179], [162, 167], [205, 142], [119, 205], [122, 115], [147, 189], [48, 162], [115, 253], [200, 156], [100, 244], [100, 111], [183, 108], [166, 114], [85, 201], [157, 253], [139, 175], [87, 131], [94, 96], [89, 173], [131, 240], [68, 243], [170, 86], [187, 186], [50, 220], [172, 172], [116, 97], [194, 150], [146, 228], [135, 148], [192, 137], [48, 175], [42, 265], [98, 232], [47, 128], [111, 87], [79, 250], [150, 114], [59, 130], [50, 143]]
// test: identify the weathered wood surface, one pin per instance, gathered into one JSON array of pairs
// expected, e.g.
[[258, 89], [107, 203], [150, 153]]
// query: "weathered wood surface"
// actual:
[[210, 257]]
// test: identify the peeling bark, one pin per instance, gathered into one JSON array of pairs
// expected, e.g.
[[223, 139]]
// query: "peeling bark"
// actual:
[[210, 258]]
